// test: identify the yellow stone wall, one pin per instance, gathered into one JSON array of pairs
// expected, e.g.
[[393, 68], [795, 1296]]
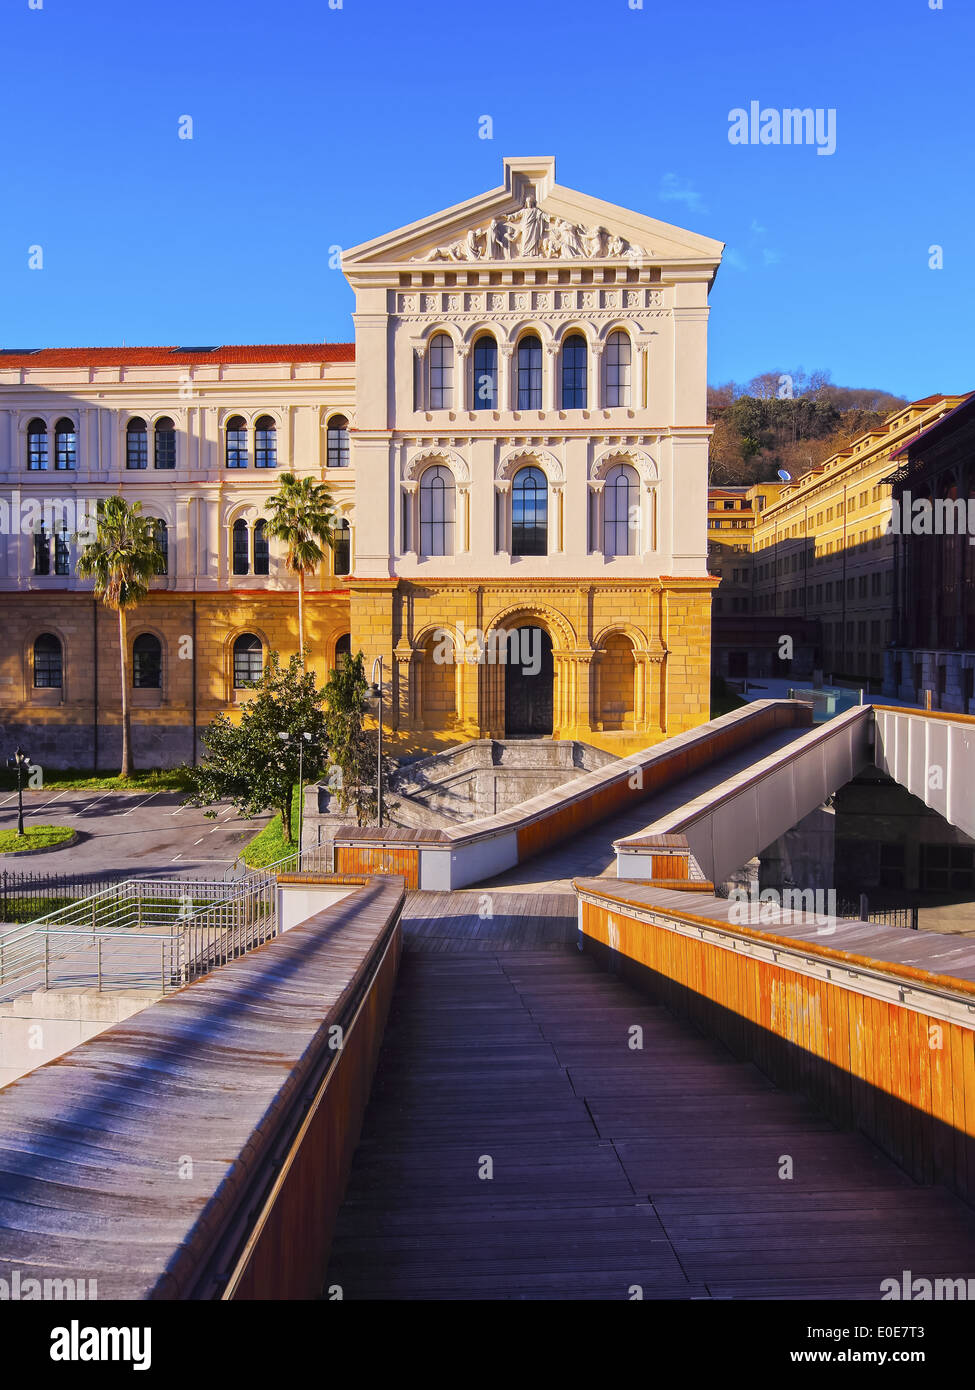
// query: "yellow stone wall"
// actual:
[[654, 634]]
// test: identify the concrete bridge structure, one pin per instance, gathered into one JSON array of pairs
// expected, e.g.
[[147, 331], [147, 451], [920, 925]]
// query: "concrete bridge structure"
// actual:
[[416, 1091]]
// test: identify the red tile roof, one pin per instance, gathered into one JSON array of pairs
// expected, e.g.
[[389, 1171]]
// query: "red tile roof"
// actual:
[[177, 356]]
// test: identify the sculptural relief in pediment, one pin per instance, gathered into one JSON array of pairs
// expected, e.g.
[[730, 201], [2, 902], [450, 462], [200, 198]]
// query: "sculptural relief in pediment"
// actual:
[[531, 232]]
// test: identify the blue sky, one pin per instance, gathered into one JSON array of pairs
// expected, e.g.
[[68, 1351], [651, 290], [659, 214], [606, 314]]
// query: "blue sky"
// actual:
[[306, 135]]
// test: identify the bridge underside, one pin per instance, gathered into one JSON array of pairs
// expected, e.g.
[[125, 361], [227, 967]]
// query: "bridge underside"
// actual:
[[613, 1166]]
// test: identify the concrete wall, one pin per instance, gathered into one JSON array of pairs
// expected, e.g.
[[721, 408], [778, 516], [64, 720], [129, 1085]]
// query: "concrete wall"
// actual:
[[35, 1028]]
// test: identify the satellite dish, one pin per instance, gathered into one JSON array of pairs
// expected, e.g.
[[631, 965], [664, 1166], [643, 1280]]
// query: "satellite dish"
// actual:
[[786, 477]]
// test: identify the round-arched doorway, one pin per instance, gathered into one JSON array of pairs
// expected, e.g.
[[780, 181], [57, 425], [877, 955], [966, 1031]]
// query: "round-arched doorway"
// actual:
[[529, 683]]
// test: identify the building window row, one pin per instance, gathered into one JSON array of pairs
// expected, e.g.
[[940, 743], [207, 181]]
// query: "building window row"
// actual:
[[527, 393], [56, 547], [158, 444], [147, 661], [615, 516]]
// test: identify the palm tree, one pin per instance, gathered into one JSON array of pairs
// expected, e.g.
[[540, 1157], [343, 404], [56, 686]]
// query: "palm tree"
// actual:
[[122, 559], [302, 515]]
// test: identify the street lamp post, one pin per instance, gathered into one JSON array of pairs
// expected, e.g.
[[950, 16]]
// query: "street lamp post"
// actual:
[[20, 760], [376, 693], [302, 740]]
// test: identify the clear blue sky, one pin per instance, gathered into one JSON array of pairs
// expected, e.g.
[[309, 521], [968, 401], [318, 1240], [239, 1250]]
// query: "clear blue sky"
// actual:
[[306, 135]]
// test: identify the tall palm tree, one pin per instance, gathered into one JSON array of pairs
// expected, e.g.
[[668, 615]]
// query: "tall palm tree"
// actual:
[[122, 559], [302, 516]]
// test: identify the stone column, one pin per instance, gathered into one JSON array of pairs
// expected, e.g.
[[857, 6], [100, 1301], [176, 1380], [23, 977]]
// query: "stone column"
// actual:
[[550, 377]]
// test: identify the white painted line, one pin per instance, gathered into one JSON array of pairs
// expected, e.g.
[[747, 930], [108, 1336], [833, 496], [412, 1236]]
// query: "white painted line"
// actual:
[[214, 830], [9, 798], [199, 841], [175, 857], [138, 805]]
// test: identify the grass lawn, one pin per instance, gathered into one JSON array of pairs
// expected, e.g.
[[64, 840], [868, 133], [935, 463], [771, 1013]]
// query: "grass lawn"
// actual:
[[34, 837], [83, 779], [269, 844]]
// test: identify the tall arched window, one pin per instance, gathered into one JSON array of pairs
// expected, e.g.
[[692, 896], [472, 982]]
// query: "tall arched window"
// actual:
[[574, 373], [265, 443], [165, 443], [530, 372], [48, 664], [618, 368], [337, 454], [236, 442], [342, 547], [136, 444], [262, 550], [343, 648], [161, 534], [529, 512], [621, 516], [241, 546], [248, 661], [37, 446], [437, 511], [147, 662], [441, 373], [65, 446], [485, 392]]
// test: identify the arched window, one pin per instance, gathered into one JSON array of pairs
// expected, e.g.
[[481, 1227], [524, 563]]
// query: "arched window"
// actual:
[[241, 547], [529, 512], [437, 511], [621, 516], [530, 373], [262, 549], [337, 454], [48, 665], [65, 446], [343, 648], [236, 442], [165, 443], [574, 373], [146, 662], [618, 368], [248, 661], [342, 547], [441, 373], [37, 445], [136, 444], [485, 393], [161, 533], [265, 443]]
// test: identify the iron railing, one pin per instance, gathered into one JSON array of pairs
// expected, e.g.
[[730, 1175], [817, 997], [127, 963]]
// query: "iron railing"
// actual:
[[147, 932]]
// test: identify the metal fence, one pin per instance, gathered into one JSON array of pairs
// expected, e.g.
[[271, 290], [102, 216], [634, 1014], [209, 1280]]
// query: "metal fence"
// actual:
[[147, 933], [862, 910], [24, 896]]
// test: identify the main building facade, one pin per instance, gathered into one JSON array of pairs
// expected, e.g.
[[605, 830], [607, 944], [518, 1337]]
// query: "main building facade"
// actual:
[[516, 444]]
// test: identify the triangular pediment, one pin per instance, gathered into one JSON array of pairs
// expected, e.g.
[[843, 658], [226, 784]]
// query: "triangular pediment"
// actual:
[[532, 220]]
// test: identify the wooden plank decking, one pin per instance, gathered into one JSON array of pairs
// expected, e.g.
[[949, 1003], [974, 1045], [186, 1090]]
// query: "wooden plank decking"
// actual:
[[613, 1167]]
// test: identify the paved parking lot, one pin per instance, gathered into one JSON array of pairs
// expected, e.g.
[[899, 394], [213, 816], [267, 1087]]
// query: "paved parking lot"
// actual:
[[135, 832]]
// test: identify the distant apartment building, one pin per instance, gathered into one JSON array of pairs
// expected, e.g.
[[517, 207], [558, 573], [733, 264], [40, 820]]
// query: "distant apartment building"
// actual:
[[819, 560], [933, 486]]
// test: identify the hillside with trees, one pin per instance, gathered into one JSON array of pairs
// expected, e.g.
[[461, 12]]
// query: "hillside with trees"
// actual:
[[786, 420]]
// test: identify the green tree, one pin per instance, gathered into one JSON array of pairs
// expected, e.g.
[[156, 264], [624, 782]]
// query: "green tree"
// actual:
[[248, 763], [302, 516], [353, 748], [122, 560]]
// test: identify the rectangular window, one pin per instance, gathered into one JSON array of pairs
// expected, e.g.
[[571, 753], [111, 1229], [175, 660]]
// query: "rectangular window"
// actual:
[[62, 553]]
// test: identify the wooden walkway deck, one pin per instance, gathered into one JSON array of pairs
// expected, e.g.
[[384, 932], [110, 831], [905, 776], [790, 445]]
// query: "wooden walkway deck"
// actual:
[[613, 1167]]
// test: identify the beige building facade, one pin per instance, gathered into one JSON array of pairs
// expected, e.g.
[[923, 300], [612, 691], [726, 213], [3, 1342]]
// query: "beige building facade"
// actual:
[[517, 448]]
